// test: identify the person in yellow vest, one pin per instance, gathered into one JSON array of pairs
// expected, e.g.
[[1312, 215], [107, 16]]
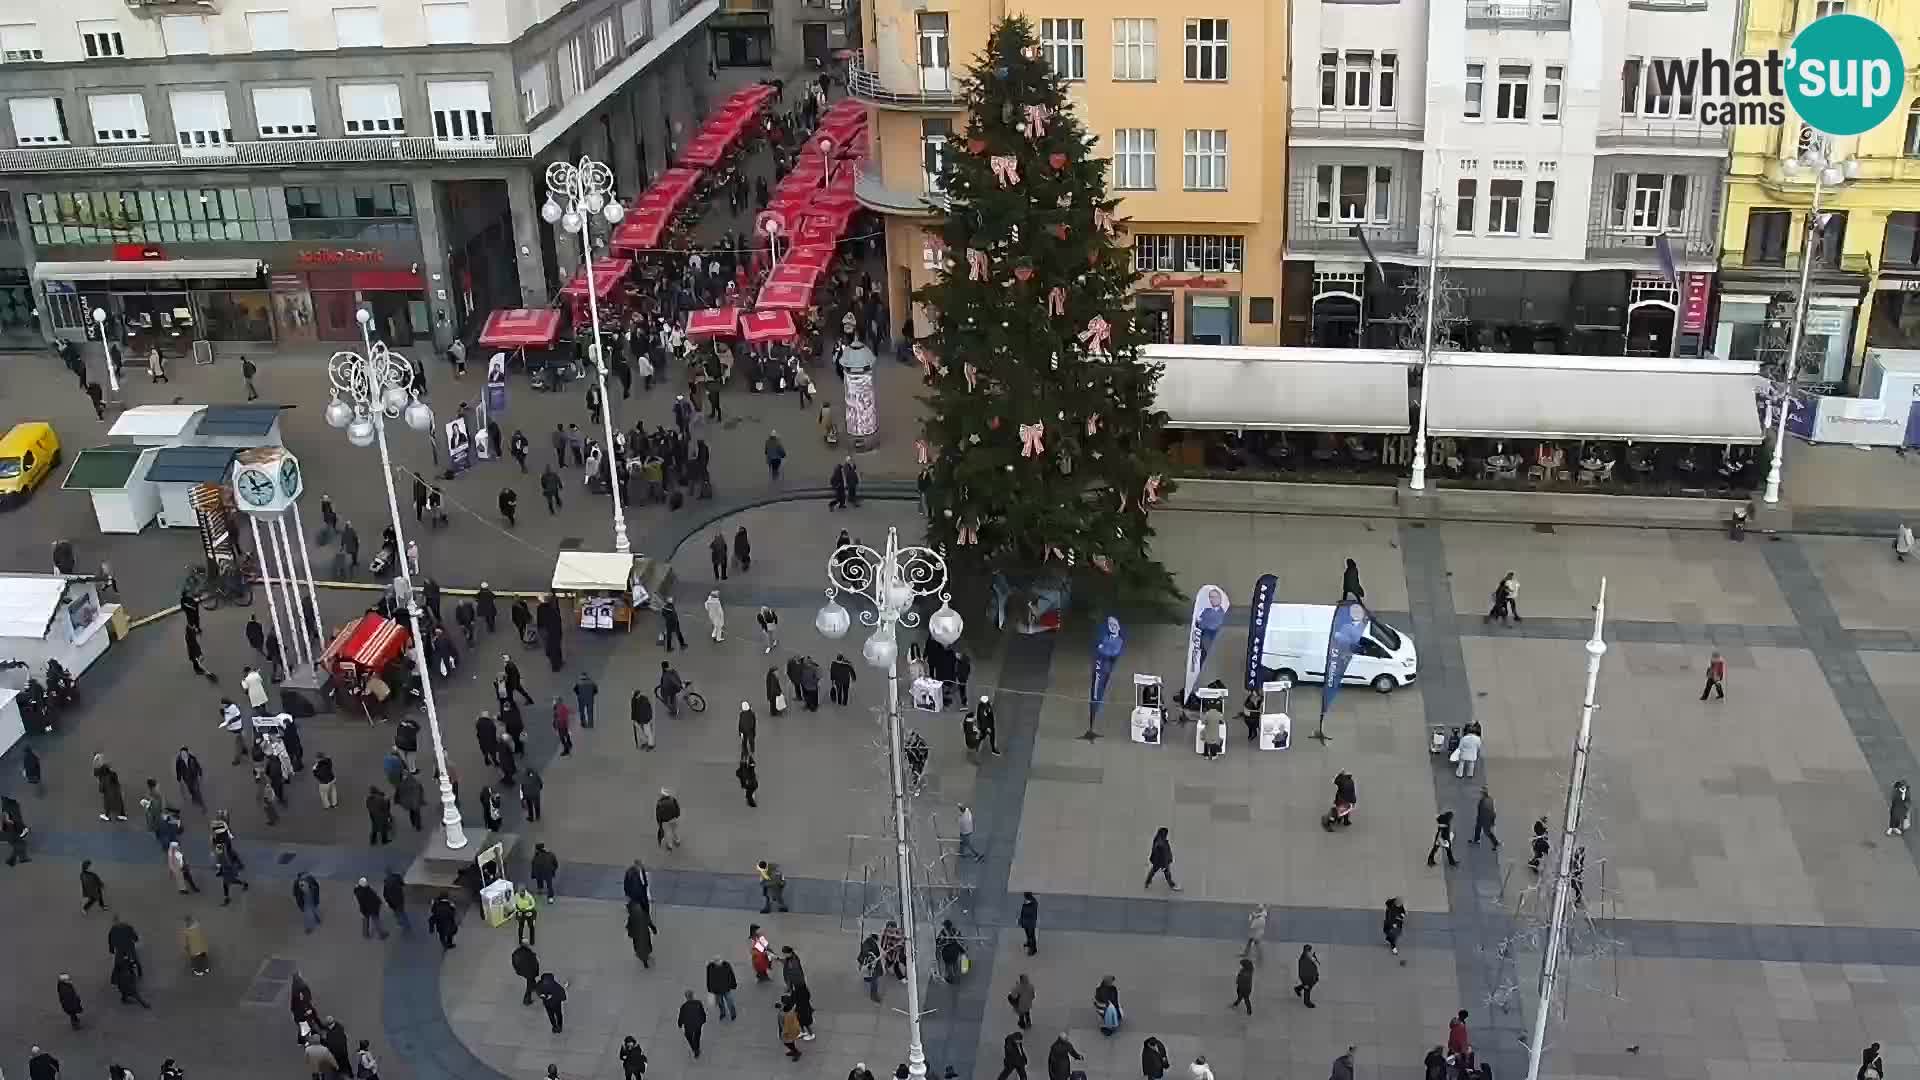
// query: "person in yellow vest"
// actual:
[[526, 911]]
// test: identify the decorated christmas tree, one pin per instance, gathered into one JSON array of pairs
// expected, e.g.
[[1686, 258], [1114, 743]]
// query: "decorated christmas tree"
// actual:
[[1041, 434]]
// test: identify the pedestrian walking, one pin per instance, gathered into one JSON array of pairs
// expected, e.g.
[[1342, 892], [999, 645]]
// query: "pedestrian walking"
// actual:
[[1243, 986], [670, 625], [716, 615], [666, 816], [1899, 809], [443, 919], [410, 795], [195, 654], [1154, 1060], [563, 726], [42, 1065], [550, 490], [773, 887], [1013, 1056], [553, 997], [369, 904], [775, 453], [325, 780], [526, 916], [1160, 860], [113, 804], [640, 712], [93, 891], [1871, 1064], [1393, 922], [1442, 838], [1106, 1002], [965, 826], [123, 943], [1541, 844], [1902, 543], [721, 983], [193, 942], [187, 774], [789, 1020], [179, 870], [748, 773], [379, 817], [585, 693], [1466, 756], [1020, 999], [509, 505], [1309, 971], [69, 999], [742, 549], [633, 1060], [1506, 601], [393, 890], [761, 953], [717, 555], [543, 867], [1060, 1058], [126, 979], [526, 964], [1342, 1066], [228, 871], [983, 719], [1716, 677], [640, 933], [248, 369], [306, 897], [532, 788], [692, 1017], [1255, 949], [1483, 819], [1029, 920]]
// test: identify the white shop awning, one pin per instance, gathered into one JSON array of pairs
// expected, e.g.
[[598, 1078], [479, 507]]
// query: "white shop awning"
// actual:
[[1255, 388], [1491, 395], [146, 270], [28, 603], [592, 572]]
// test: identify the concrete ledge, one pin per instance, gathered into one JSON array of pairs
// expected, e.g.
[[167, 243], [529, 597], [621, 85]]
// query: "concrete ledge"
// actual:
[[1452, 504]]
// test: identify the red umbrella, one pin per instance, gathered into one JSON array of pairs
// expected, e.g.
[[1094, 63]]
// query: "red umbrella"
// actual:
[[712, 322], [640, 230], [817, 231], [785, 296], [704, 151], [521, 328], [774, 325], [804, 276], [813, 257]]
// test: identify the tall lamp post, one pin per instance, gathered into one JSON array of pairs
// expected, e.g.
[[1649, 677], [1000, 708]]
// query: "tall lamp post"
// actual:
[[891, 581], [826, 146], [367, 391], [1418, 481], [106, 350], [1827, 173], [575, 194]]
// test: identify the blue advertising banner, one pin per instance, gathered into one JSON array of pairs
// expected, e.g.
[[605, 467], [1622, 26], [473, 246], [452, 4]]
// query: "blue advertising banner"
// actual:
[[1263, 591], [1350, 621]]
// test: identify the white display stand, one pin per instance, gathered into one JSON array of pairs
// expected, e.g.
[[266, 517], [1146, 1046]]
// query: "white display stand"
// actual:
[[12, 727], [1276, 727], [926, 694], [1149, 712], [1211, 726], [496, 902]]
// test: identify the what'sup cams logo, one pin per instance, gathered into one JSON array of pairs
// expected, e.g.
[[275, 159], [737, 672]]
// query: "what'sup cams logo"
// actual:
[[1842, 75]]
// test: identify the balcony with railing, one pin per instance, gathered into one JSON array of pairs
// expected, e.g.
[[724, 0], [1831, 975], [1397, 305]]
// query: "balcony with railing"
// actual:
[[1627, 133], [875, 193], [1356, 125], [938, 88], [1692, 244], [1788, 262], [278, 153], [1519, 14], [1343, 238]]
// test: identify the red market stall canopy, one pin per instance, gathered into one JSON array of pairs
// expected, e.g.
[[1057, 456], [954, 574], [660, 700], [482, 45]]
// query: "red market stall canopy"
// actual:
[[751, 96], [706, 150], [785, 296], [805, 277], [834, 204], [713, 322], [842, 109], [672, 190], [371, 643], [818, 231], [640, 230], [607, 275], [813, 257], [772, 325], [521, 328]]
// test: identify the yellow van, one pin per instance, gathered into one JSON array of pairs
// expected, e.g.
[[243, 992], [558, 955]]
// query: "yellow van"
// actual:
[[28, 454]]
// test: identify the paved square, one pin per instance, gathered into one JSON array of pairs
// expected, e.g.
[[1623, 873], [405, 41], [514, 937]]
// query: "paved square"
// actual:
[[1869, 588]]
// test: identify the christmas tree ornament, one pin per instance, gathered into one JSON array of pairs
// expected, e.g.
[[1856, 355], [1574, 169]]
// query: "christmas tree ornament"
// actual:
[[1023, 274], [922, 451], [975, 438], [924, 356], [948, 512], [1096, 335], [1021, 128], [1037, 116], [1066, 201], [1103, 221], [1030, 443], [1104, 564], [1093, 424], [972, 374], [1150, 495], [976, 265], [1006, 169], [1059, 232], [1057, 160], [1057, 301], [968, 536]]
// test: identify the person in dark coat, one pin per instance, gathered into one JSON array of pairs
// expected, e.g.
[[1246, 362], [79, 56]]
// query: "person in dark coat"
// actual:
[[544, 866], [1350, 583], [393, 890], [1154, 1060], [526, 964], [487, 605], [113, 804], [69, 1000], [717, 554], [486, 735], [638, 890], [742, 549], [748, 774], [93, 891], [640, 932], [379, 817], [522, 616], [1393, 922], [124, 941], [633, 1060], [840, 676], [1013, 1056], [1243, 985], [443, 919], [1309, 972], [1484, 816], [1160, 859], [1060, 1058], [693, 1017], [126, 979], [810, 683], [1442, 838]]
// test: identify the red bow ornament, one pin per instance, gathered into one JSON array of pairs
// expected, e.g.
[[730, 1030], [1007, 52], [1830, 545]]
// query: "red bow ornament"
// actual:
[[1006, 169], [1056, 301], [1030, 445], [976, 265], [1097, 334]]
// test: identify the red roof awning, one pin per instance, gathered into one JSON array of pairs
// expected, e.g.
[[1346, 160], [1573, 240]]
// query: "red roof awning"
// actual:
[[521, 328], [785, 296], [640, 230], [813, 257], [712, 322], [704, 151], [372, 643], [817, 231], [607, 275], [772, 325]]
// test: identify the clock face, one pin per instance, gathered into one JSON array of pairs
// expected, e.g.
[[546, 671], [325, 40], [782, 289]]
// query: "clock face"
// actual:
[[256, 488], [289, 478]]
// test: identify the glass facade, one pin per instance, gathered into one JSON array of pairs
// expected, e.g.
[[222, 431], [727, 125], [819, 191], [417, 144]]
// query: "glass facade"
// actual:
[[368, 212]]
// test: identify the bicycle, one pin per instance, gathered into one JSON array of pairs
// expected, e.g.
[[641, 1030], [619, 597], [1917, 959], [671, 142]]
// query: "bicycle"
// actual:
[[694, 700], [231, 588]]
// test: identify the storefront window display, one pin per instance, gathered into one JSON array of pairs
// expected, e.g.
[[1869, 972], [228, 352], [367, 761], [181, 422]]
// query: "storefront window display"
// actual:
[[189, 215]]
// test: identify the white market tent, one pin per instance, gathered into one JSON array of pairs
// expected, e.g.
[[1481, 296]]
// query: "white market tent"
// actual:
[[114, 478], [592, 572], [155, 425], [51, 617]]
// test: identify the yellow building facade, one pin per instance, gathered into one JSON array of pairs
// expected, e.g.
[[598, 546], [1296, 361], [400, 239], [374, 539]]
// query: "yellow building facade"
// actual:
[[1190, 107], [1866, 279]]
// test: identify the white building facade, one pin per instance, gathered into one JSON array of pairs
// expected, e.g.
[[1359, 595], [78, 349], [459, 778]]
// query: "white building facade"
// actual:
[[1578, 206]]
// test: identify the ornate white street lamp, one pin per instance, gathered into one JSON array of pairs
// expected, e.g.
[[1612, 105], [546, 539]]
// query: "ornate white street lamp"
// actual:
[[367, 391], [890, 581], [826, 146], [1418, 481], [576, 194], [1827, 173], [106, 350]]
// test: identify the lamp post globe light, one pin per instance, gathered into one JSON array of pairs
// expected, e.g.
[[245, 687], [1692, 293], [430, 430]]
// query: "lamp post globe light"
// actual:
[[576, 193], [106, 350], [826, 146], [1828, 172], [889, 582], [367, 391]]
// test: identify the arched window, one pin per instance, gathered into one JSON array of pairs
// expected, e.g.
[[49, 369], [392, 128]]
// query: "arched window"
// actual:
[[1912, 146]]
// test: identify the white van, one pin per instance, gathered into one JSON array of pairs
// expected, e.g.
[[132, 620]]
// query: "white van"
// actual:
[[1295, 647]]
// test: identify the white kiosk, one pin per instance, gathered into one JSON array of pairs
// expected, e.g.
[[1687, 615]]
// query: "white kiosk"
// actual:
[[1210, 733], [1149, 712], [1276, 727]]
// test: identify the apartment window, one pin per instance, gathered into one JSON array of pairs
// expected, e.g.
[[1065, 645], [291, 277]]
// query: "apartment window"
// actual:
[[1389, 76], [934, 136], [371, 109], [118, 118], [1510, 102], [1207, 50], [1220, 254], [1824, 8], [100, 39], [1064, 41], [1644, 92], [1902, 247], [605, 43], [20, 43], [935, 62], [1649, 202], [38, 121], [357, 27], [1155, 251], [573, 70], [533, 90], [1352, 194], [448, 23], [1357, 90], [1543, 207], [1829, 238], [1136, 48], [1503, 207], [1463, 206], [1133, 159], [1912, 144], [200, 119], [1550, 91], [633, 20], [1767, 237], [284, 112], [1206, 159], [462, 111], [185, 35], [268, 31], [1630, 86], [1476, 90], [1329, 79]]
